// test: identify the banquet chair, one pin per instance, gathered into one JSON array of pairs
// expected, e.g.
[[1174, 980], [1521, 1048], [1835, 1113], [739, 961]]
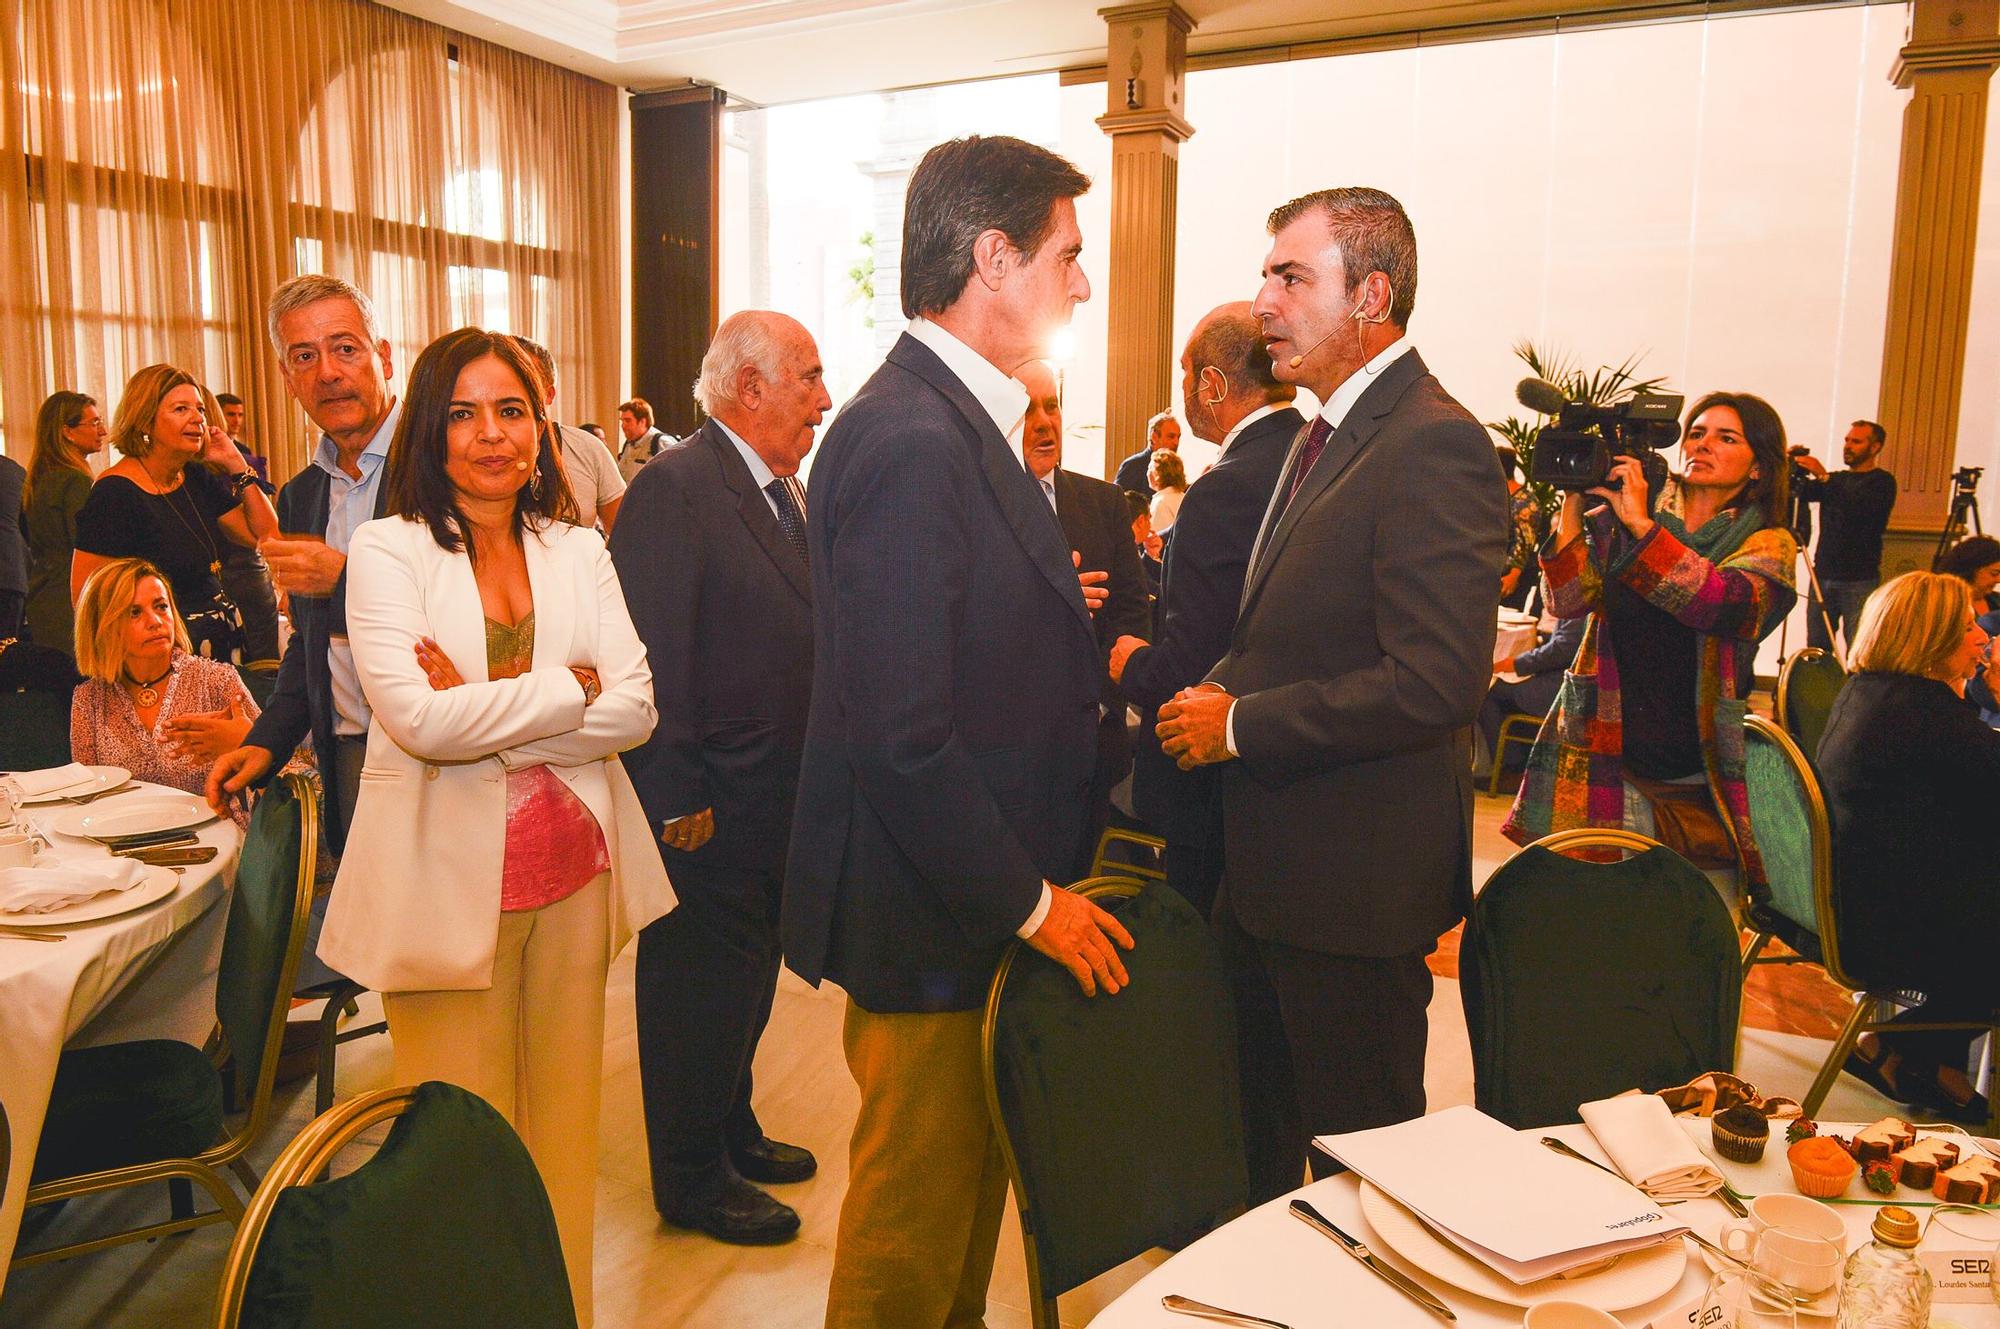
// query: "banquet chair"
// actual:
[[339, 995], [260, 677], [1808, 681], [1582, 980], [34, 729], [1152, 847], [126, 1114], [1795, 840], [1118, 1115], [1520, 727], [445, 1226]]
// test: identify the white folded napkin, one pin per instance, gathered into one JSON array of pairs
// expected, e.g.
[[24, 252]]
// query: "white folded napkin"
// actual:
[[1640, 1136], [38, 890], [40, 784]]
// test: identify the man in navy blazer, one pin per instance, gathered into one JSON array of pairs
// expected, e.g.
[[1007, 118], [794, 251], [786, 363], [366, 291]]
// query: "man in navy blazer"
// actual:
[[1232, 399], [952, 732], [710, 550], [1134, 474]]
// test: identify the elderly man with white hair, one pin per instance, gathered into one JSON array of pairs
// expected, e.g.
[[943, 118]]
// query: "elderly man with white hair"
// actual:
[[711, 550]]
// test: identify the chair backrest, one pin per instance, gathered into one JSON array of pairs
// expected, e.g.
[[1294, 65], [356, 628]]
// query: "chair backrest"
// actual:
[[1582, 979], [268, 914], [260, 678], [34, 729], [1118, 1115], [446, 1226], [1807, 684], [1789, 818]]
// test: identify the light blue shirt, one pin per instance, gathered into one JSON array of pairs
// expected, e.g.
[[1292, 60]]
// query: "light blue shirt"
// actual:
[[349, 502]]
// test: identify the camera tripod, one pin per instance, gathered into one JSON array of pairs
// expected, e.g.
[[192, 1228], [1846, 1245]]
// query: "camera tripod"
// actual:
[[1801, 527], [1964, 516]]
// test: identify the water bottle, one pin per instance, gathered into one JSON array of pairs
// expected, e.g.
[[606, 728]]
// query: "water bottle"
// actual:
[[1885, 1286]]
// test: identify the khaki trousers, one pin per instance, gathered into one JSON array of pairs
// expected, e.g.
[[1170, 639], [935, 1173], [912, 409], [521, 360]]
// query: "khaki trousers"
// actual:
[[532, 1045], [926, 1185]]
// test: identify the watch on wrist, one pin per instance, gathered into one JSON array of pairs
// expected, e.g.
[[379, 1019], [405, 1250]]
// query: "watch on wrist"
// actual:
[[241, 481], [592, 690]]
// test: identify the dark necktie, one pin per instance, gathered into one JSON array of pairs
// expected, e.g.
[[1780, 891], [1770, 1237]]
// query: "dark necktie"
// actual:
[[789, 517], [1315, 444]]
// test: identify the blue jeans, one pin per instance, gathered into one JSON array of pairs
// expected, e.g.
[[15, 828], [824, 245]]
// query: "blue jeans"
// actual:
[[1843, 605]]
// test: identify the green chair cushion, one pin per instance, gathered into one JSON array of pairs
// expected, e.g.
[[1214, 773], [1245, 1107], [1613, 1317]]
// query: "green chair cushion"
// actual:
[[1779, 811], [259, 929], [1810, 690], [128, 1103], [1122, 1111], [1582, 980], [447, 1227]]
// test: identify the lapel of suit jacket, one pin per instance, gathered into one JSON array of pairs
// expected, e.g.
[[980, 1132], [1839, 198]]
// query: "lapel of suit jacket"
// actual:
[[1356, 432], [755, 509], [1020, 498]]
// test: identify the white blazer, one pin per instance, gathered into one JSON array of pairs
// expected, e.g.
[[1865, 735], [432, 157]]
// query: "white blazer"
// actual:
[[416, 904]]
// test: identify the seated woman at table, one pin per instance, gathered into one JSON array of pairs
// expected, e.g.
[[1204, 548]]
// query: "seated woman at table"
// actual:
[[1975, 561], [498, 856], [1909, 773], [1679, 588], [147, 702]]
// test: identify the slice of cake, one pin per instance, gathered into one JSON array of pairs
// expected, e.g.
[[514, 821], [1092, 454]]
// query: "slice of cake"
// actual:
[[1975, 1181], [1918, 1165], [1874, 1144]]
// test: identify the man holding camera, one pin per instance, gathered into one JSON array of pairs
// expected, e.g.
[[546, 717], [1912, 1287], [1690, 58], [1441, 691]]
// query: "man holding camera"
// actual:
[[1854, 508]]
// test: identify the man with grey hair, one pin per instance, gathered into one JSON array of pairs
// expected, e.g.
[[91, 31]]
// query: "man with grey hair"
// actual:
[[1162, 431], [337, 365], [711, 553]]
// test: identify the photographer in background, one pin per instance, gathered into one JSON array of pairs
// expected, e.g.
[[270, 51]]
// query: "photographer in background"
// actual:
[[1854, 510]]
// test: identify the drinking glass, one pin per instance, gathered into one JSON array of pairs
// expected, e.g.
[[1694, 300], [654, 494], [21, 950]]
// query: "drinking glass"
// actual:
[[1739, 1300]]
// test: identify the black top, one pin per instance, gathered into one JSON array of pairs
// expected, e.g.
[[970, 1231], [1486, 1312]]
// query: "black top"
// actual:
[[1909, 773], [1659, 666], [1854, 509], [177, 531]]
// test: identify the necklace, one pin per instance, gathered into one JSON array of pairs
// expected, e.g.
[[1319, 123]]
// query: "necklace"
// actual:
[[149, 692], [197, 527]]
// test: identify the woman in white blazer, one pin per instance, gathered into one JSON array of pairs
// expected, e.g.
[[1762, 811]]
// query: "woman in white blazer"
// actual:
[[498, 857]]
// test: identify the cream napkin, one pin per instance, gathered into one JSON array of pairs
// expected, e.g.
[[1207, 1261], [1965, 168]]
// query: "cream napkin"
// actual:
[[1649, 1149], [38, 890], [40, 784]]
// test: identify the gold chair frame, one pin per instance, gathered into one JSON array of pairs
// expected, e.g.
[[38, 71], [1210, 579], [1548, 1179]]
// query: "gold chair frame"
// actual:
[[1101, 866], [1781, 693], [1042, 1309], [303, 1162], [1590, 837], [1509, 733], [206, 1167], [1818, 825]]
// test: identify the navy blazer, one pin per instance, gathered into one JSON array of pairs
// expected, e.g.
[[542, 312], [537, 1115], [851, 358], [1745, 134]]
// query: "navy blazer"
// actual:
[[723, 604], [954, 710], [301, 701], [1133, 473], [1201, 582]]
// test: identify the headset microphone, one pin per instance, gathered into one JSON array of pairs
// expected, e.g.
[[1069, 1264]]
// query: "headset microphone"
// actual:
[[1353, 315]]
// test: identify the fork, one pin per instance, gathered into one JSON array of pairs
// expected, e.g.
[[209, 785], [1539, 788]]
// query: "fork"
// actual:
[[1189, 1306], [81, 799]]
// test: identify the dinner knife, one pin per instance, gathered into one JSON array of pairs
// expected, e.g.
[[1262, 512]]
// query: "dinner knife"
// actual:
[[150, 839], [1388, 1273], [170, 858]]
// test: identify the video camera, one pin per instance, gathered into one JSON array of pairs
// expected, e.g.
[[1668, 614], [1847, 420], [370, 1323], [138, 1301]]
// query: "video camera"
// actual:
[[1575, 452]]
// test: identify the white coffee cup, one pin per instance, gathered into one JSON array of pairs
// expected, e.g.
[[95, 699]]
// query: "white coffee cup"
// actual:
[[17, 848], [1567, 1315], [1793, 1239]]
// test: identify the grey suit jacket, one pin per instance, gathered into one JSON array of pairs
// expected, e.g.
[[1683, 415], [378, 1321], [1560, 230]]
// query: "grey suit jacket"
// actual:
[[1360, 656]]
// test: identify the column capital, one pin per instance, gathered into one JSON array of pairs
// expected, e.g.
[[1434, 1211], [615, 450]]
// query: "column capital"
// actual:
[[1149, 9], [1146, 122], [1977, 56]]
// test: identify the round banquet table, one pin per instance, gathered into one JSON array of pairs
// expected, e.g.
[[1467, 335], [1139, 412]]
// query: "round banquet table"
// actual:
[[1270, 1264], [1512, 636], [149, 973]]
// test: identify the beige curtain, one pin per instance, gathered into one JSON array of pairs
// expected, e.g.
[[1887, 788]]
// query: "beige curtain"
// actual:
[[165, 164]]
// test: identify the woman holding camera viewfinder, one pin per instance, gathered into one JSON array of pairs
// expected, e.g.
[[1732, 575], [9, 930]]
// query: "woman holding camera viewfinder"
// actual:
[[1680, 586]]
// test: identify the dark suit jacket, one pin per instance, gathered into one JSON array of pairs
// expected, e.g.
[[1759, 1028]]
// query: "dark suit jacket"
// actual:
[[13, 534], [1201, 583], [1361, 653], [1132, 473], [301, 701], [724, 606], [954, 703]]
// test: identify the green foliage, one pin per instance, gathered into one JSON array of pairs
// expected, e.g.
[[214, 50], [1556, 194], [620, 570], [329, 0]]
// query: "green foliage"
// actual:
[[861, 279], [1607, 385]]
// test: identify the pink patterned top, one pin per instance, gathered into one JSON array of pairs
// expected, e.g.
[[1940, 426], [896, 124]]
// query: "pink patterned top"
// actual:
[[104, 728], [554, 846]]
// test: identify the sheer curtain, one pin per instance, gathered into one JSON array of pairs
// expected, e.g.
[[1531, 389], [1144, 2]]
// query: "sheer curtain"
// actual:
[[165, 164]]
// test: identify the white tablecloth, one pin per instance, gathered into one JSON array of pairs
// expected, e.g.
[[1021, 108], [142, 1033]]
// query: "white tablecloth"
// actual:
[[1512, 638], [145, 974], [1270, 1264]]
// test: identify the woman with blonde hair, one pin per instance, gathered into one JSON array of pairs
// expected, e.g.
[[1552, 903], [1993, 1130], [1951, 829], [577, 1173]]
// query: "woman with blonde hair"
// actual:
[[1909, 771], [1168, 476], [69, 430], [154, 504], [147, 702]]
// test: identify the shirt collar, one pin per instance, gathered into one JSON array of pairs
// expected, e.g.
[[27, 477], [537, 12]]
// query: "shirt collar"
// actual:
[[1003, 399], [1266, 409], [1343, 398], [327, 457], [760, 474]]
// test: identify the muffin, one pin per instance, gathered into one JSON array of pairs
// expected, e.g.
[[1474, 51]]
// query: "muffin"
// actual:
[[1740, 1134], [1821, 1167]]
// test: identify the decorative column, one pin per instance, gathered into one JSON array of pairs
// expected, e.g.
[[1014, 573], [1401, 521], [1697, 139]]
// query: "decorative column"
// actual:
[[1953, 48], [1145, 71]]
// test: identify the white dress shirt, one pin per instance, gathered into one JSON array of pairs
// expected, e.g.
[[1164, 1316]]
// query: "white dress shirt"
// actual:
[[760, 472], [1006, 401], [1268, 408]]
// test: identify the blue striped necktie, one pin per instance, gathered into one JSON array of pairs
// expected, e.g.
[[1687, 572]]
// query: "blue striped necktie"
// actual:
[[789, 517]]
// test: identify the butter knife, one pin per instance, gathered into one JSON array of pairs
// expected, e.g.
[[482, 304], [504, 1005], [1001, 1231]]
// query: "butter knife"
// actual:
[[1389, 1274], [169, 858]]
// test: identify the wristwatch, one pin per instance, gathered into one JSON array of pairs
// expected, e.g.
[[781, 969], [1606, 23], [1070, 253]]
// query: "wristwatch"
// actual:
[[241, 481], [591, 689]]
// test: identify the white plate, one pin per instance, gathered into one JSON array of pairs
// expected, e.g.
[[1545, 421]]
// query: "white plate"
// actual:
[[106, 777], [1825, 1304], [156, 885], [1632, 1280], [134, 816]]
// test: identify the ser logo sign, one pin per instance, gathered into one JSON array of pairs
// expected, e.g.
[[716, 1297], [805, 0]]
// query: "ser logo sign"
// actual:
[[1975, 1266]]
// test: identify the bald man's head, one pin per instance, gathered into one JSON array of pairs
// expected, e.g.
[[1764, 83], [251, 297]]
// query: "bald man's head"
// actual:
[[1041, 432], [1226, 371]]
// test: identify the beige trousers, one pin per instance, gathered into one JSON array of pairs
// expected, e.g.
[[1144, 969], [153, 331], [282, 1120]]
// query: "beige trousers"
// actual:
[[927, 1187], [532, 1045]]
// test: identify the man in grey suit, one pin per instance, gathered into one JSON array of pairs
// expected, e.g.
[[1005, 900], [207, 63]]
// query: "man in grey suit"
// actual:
[[712, 557], [1343, 707]]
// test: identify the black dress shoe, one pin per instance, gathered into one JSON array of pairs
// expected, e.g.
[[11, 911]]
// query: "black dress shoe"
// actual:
[[742, 1216], [772, 1163]]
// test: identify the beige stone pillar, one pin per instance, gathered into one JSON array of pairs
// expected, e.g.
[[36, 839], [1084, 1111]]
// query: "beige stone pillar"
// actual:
[[1145, 71], [1948, 62]]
